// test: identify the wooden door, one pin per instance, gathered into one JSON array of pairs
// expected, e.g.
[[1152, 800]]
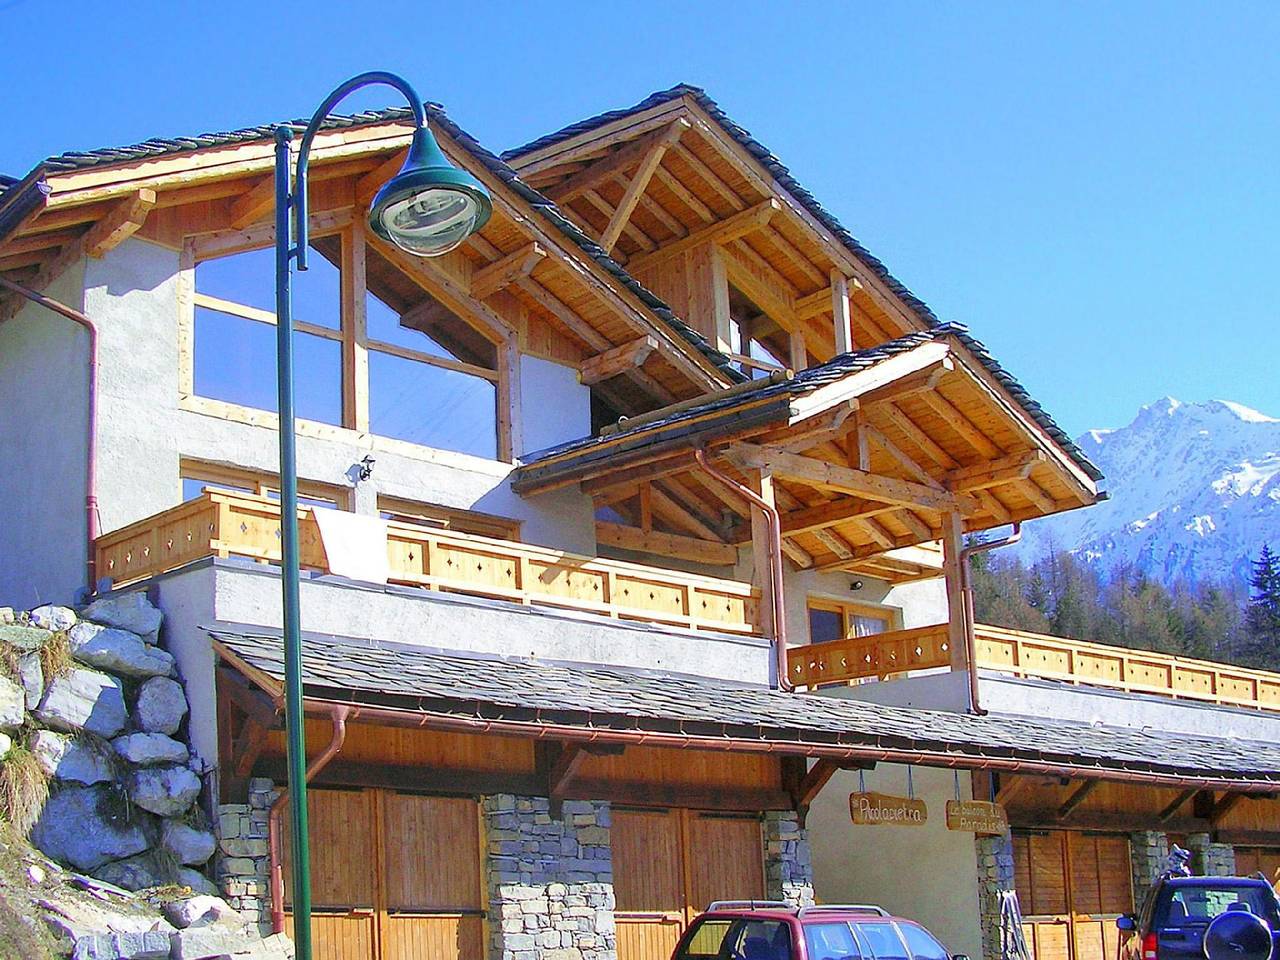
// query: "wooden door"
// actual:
[[394, 876], [1264, 860], [343, 900], [669, 864], [1071, 887], [432, 899]]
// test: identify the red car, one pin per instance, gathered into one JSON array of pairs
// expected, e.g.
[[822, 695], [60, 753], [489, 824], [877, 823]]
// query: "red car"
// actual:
[[763, 930]]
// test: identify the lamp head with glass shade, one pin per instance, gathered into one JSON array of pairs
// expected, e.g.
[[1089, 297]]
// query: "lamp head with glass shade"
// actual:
[[430, 206]]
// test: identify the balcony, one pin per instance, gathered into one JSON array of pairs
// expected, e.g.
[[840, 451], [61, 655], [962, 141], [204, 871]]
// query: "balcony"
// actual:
[[223, 524], [902, 653]]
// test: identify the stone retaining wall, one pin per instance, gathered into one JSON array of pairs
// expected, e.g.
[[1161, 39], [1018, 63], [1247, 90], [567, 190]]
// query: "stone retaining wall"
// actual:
[[788, 860], [995, 877], [242, 864]]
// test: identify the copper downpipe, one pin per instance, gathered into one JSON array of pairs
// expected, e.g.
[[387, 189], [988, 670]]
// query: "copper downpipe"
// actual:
[[339, 713], [932, 758], [777, 602], [970, 615], [91, 468]]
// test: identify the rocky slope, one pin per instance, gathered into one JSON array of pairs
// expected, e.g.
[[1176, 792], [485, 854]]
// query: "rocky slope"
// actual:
[[1195, 492]]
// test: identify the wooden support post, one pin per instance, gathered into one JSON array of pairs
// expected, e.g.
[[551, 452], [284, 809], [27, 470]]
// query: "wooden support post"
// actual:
[[957, 615], [761, 481], [562, 773], [841, 310], [709, 296], [799, 351], [355, 346]]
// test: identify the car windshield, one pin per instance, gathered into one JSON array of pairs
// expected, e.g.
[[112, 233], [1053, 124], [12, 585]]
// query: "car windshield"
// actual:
[[921, 943], [831, 941], [1200, 904], [883, 941]]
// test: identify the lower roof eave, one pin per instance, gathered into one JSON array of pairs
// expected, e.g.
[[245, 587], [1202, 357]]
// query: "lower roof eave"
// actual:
[[589, 731]]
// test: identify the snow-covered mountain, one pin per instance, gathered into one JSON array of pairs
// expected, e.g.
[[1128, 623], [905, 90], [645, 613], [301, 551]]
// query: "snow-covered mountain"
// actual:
[[1195, 492]]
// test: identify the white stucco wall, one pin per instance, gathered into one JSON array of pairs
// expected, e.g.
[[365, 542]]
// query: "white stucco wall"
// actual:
[[132, 294], [926, 873], [43, 425]]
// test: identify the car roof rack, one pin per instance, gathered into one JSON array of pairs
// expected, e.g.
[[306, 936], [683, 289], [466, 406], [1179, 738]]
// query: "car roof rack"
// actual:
[[845, 908], [749, 905]]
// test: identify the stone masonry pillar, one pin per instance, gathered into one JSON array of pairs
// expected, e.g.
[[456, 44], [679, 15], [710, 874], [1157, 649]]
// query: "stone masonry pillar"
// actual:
[[243, 858], [1148, 851], [788, 860], [550, 881], [995, 877], [1209, 858]]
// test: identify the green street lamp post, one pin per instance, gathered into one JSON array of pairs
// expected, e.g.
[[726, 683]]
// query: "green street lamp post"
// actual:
[[427, 209]]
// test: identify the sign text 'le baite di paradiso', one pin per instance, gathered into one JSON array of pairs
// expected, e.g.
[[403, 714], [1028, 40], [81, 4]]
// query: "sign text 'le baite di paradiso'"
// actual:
[[881, 809]]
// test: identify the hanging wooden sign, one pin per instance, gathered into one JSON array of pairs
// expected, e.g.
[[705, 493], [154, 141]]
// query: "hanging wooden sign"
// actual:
[[977, 816], [881, 809]]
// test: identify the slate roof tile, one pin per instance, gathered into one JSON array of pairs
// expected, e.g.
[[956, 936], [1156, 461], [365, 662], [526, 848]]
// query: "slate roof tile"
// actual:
[[459, 684]]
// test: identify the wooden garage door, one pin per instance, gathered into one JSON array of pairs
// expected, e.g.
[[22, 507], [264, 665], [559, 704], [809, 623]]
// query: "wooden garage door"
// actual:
[[395, 876], [1071, 887], [669, 864]]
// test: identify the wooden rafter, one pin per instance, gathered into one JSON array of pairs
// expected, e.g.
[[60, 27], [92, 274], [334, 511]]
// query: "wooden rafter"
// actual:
[[847, 480], [1077, 797], [1010, 787], [489, 279], [639, 181], [709, 176], [907, 463], [918, 437], [962, 425], [684, 195], [1177, 804], [738, 225], [122, 222], [616, 360], [254, 204], [642, 239], [995, 472], [693, 549], [617, 163]]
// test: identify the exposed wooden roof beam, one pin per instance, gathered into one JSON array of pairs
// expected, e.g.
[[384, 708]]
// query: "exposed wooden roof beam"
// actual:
[[253, 205], [620, 161], [1010, 787], [773, 299], [841, 314], [1031, 490], [888, 446], [738, 225], [625, 128], [122, 222], [642, 239], [682, 515], [1178, 802], [710, 177], [995, 472], [1077, 797], [847, 480], [659, 212], [992, 505], [962, 425], [488, 280], [618, 360], [684, 195], [917, 436], [798, 259], [693, 549], [639, 181], [834, 543], [369, 184], [39, 241]]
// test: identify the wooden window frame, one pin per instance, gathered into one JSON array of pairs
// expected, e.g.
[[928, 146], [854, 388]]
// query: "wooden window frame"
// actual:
[[471, 522], [261, 482], [352, 335], [890, 615]]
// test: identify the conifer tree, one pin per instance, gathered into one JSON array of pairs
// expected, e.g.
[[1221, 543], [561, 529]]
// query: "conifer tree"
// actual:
[[1262, 620]]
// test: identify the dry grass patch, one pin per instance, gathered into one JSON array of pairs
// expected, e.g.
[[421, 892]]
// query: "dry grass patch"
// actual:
[[24, 788]]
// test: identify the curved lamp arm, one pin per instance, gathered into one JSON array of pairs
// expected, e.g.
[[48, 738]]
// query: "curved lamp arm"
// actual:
[[299, 193]]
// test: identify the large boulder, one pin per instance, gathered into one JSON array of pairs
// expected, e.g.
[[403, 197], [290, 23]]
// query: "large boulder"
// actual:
[[197, 881], [160, 706], [188, 845], [136, 873], [84, 700], [127, 611], [148, 749], [118, 651], [53, 618], [165, 791], [70, 758], [199, 911], [31, 677], [23, 638], [13, 704], [208, 941], [82, 826]]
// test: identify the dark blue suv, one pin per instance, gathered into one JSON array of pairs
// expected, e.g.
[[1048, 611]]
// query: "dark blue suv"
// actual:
[[1177, 911]]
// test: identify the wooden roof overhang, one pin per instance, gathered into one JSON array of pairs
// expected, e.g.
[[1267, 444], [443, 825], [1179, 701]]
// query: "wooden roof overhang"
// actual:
[[659, 179], [868, 454], [522, 269]]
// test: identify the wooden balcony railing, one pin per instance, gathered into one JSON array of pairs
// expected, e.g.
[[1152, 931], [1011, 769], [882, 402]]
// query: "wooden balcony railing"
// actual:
[[225, 524], [885, 655]]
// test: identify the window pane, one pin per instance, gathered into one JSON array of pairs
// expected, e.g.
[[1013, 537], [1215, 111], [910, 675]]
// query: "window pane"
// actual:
[[235, 361], [761, 940], [830, 941], [865, 626], [439, 408], [825, 625], [192, 488], [249, 278], [706, 939], [384, 324], [883, 941], [921, 943]]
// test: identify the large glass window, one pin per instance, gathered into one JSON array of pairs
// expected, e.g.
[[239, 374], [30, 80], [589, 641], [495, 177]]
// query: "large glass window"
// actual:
[[197, 476], [430, 378], [833, 620], [235, 335]]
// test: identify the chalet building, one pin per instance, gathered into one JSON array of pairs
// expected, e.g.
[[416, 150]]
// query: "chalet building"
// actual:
[[673, 479]]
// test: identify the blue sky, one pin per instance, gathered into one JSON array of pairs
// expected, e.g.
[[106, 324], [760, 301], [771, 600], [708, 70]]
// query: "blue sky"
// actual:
[[1092, 187]]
